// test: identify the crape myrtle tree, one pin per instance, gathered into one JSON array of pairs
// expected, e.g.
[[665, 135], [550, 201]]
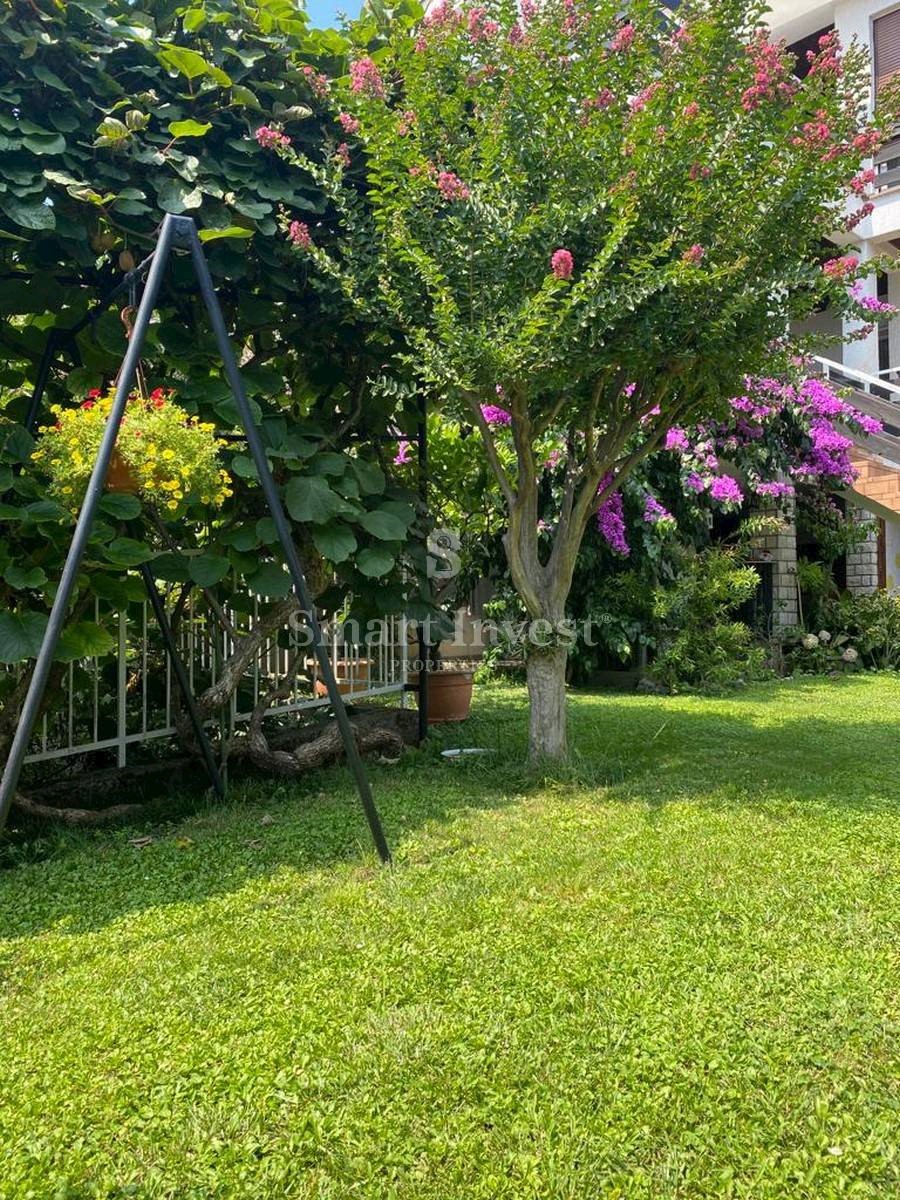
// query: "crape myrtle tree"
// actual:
[[597, 218]]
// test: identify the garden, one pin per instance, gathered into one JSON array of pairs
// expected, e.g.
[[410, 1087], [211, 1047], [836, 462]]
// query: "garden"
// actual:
[[309, 338]]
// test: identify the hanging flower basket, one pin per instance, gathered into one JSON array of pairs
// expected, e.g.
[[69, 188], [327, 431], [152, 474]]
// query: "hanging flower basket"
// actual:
[[162, 454]]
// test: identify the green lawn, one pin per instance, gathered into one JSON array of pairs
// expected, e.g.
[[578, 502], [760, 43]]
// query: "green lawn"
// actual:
[[670, 971]]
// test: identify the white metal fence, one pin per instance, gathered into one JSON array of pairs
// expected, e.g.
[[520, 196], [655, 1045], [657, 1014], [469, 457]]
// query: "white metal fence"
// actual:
[[130, 698]]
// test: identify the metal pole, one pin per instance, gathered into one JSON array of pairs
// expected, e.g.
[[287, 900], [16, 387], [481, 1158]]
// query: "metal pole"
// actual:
[[184, 684], [424, 657], [93, 495], [187, 239]]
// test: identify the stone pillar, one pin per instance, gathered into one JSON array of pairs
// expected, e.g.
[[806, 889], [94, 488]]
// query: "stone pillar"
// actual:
[[780, 549], [862, 560], [862, 355]]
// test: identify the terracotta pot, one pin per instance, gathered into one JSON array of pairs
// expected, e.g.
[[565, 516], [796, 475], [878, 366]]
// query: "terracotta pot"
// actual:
[[449, 695], [343, 669], [120, 477]]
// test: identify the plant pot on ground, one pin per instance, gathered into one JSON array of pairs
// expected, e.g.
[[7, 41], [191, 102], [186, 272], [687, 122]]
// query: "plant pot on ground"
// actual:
[[449, 695]]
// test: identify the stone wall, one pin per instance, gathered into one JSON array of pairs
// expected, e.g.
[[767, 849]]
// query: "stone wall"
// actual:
[[862, 560], [780, 549]]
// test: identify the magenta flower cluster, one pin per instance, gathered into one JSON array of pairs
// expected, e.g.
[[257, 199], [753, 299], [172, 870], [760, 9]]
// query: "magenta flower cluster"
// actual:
[[611, 520], [494, 415], [654, 512]]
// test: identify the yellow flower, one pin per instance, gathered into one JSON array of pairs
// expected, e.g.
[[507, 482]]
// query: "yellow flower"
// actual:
[[172, 505], [168, 454]]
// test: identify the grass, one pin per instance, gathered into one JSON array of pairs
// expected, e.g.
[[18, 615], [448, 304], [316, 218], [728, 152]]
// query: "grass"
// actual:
[[669, 970]]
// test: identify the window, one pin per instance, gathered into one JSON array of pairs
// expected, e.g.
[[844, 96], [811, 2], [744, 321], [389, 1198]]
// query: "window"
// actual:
[[886, 47]]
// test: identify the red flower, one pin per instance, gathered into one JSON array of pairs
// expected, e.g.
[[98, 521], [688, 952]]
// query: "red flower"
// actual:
[[93, 394], [88, 404]]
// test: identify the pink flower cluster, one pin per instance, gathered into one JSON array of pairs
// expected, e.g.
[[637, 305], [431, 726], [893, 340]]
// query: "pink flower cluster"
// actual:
[[298, 232], [860, 182], [726, 490], [480, 28], [814, 135], [840, 268], [827, 61], [562, 264], [404, 453], [639, 102], [775, 488], [603, 99], [271, 138], [316, 80], [693, 255], [624, 39], [452, 187], [365, 78], [349, 123], [342, 154], [770, 72]]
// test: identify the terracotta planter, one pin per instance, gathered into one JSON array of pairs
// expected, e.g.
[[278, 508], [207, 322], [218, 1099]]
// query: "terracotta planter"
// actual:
[[449, 696], [343, 669], [120, 477]]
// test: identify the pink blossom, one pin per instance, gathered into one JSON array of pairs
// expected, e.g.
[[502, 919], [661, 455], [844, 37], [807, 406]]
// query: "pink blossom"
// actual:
[[452, 187], [691, 110], [298, 232], [562, 264], [775, 488], [479, 27], [656, 513], [864, 210], [726, 489], [515, 35], [771, 75], [603, 99], [639, 102], [406, 122], [366, 79], [494, 415], [624, 39], [693, 255], [271, 138], [611, 520], [317, 82], [342, 154], [404, 453], [694, 482], [677, 439], [349, 123], [860, 182], [839, 268], [699, 171]]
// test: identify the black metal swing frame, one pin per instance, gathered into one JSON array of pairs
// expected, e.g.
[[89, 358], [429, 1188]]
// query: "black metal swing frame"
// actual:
[[176, 233]]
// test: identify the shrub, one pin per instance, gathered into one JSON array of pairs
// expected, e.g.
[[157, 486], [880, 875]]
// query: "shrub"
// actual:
[[701, 643], [872, 624]]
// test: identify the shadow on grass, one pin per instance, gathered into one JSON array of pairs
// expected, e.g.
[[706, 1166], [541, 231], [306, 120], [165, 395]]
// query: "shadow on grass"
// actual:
[[777, 744]]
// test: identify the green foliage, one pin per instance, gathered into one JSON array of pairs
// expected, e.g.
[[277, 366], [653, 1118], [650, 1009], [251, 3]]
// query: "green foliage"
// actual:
[[871, 623], [700, 642], [669, 973], [113, 113]]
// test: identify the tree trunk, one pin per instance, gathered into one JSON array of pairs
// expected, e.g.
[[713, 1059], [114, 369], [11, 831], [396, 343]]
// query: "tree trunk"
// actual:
[[546, 676]]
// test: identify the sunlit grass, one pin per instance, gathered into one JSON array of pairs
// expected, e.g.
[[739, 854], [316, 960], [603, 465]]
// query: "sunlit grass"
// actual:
[[667, 970]]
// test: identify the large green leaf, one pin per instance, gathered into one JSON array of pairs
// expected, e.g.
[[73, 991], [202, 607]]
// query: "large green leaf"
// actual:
[[84, 639], [370, 476], [309, 499], [270, 580], [335, 541], [374, 562], [121, 504], [209, 569], [21, 635], [230, 231], [20, 577], [175, 196], [384, 525], [190, 64], [189, 128], [127, 552]]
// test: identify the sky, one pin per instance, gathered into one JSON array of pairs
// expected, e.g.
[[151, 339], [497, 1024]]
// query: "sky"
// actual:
[[322, 12]]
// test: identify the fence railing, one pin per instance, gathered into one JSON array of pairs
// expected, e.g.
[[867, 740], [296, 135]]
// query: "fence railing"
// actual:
[[129, 697]]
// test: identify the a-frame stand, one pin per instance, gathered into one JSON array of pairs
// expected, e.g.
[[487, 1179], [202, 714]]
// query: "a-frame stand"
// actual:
[[180, 233]]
